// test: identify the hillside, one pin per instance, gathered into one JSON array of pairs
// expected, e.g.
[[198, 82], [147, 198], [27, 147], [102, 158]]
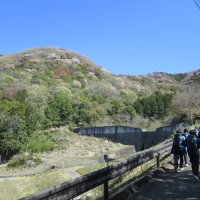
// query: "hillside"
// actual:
[[44, 71], [50, 87], [46, 92]]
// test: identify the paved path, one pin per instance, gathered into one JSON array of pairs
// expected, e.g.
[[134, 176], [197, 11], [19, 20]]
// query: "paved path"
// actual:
[[170, 186]]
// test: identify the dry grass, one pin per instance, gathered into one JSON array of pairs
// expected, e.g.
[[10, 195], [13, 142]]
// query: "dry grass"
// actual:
[[17, 187]]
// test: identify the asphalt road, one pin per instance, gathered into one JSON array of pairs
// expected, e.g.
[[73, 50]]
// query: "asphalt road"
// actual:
[[170, 186]]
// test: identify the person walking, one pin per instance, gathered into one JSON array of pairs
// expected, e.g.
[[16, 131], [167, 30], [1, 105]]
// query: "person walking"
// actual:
[[193, 143], [185, 150], [177, 150]]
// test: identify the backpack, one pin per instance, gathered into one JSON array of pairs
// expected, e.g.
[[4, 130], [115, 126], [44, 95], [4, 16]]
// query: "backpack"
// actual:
[[192, 143], [178, 139]]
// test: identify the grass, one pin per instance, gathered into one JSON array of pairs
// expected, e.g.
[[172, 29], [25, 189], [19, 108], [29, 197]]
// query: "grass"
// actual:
[[154, 124], [91, 168], [17, 187]]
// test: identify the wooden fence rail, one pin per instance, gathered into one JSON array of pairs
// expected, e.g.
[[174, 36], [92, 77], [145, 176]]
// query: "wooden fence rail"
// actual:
[[80, 185]]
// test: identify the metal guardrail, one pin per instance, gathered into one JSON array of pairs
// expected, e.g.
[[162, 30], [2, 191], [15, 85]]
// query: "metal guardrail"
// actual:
[[80, 185]]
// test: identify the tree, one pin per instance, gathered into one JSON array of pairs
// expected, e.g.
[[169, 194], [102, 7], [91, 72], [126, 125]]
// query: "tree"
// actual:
[[117, 107], [12, 128], [138, 107], [59, 109], [82, 111], [187, 100], [156, 105]]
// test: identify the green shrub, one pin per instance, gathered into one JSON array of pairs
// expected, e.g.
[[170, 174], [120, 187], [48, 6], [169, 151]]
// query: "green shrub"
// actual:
[[21, 160], [38, 142], [36, 146], [16, 162]]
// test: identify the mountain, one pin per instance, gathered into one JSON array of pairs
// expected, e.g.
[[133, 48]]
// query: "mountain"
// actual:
[[51, 87], [43, 71]]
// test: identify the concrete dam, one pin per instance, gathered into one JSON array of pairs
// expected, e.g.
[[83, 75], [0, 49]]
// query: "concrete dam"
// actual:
[[128, 135]]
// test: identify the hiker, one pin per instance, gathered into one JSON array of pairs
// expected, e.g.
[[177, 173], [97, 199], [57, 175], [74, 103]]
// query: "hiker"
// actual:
[[198, 133], [185, 150], [193, 143], [177, 150]]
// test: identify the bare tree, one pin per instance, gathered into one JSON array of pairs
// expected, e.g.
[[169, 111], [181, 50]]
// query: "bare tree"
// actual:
[[187, 100]]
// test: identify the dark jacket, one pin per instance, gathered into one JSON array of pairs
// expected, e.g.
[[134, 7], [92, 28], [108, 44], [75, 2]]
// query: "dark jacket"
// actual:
[[192, 143]]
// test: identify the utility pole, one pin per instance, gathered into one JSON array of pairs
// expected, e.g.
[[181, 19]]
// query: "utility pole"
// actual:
[[190, 105], [190, 92]]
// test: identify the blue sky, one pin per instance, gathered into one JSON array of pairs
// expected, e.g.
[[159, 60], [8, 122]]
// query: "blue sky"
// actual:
[[123, 37]]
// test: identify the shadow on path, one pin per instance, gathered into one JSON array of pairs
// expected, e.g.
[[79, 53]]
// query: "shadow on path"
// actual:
[[170, 186]]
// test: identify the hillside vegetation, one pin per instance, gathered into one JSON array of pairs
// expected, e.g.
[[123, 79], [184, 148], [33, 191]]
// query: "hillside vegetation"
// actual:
[[51, 87]]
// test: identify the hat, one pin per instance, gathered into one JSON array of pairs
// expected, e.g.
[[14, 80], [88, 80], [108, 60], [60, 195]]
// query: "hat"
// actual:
[[192, 132]]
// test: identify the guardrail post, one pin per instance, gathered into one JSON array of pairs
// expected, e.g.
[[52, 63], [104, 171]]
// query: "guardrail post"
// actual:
[[107, 159], [106, 190], [158, 160]]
